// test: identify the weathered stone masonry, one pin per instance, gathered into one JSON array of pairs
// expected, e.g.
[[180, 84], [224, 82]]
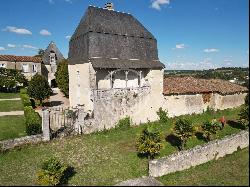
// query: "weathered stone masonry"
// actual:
[[198, 155]]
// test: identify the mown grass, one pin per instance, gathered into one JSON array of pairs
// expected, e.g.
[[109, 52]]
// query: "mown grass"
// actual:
[[231, 170], [103, 158], [12, 127], [7, 106], [9, 95]]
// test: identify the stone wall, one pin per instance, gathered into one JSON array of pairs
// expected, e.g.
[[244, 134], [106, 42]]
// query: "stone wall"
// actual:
[[9, 144], [80, 86], [177, 105], [111, 107], [198, 155]]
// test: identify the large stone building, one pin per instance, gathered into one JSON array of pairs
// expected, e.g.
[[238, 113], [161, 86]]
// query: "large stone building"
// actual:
[[28, 65], [109, 50], [52, 56], [114, 71]]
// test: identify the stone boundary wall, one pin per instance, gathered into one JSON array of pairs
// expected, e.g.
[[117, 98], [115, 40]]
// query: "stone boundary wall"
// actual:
[[11, 143], [198, 155]]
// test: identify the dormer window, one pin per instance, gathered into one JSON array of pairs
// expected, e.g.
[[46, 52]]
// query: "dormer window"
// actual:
[[53, 57]]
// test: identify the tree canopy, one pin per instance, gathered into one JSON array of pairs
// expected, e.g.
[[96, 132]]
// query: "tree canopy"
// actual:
[[39, 88], [62, 77], [11, 79]]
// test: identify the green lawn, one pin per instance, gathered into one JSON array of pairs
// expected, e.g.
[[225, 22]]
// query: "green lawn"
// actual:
[[231, 170], [7, 106], [11, 127], [9, 95], [103, 158]]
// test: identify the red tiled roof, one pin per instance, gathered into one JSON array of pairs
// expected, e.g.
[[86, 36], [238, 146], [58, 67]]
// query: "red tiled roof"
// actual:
[[182, 85], [13, 58]]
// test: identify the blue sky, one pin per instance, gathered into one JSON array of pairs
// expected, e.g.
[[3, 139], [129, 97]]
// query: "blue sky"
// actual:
[[191, 34]]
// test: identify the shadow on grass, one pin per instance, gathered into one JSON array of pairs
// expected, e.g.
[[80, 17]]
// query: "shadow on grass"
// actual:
[[174, 141], [69, 173], [236, 124], [52, 103], [199, 136]]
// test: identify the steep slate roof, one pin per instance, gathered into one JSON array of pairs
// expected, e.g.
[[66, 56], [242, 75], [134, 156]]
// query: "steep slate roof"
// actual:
[[52, 47], [13, 58], [109, 34], [190, 85]]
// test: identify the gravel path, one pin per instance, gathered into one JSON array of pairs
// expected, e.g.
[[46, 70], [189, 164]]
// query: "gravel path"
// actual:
[[58, 99], [13, 99], [12, 113]]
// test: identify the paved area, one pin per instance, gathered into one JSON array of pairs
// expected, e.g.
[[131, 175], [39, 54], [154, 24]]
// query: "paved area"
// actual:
[[58, 98], [13, 99], [144, 181], [12, 113]]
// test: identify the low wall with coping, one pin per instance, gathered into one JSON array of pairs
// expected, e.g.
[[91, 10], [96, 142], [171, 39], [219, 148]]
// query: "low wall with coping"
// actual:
[[11, 143], [198, 155]]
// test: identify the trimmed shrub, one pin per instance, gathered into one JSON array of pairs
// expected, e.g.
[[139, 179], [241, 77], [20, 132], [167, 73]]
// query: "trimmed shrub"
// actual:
[[33, 121], [210, 128], [23, 91], [51, 173], [25, 97], [244, 116], [39, 88], [183, 129], [62, 77], [123, 123], [149, 143], [163, 115]]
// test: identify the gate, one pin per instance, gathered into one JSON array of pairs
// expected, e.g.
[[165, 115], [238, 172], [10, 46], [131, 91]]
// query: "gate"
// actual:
[[61, 121]]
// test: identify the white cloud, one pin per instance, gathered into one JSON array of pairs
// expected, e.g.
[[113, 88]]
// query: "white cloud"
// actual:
[[156, 4], [179, 46], [2, 48], [11, 45], [204, 64], [67, 37], [210, 50], [228, 60], [68, 1], [29, 47], [17, 30], [51, 2], [247, 51], [45, 32]]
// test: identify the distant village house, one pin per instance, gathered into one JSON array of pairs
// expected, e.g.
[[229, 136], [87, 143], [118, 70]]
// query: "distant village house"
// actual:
[[29, 66]]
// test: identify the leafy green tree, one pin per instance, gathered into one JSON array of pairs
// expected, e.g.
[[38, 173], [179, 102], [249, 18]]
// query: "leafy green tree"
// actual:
[[149, 143], [11, 78], [247, 100], [163, 115], [40, 53], [210, 128], [39, 88], [62, 77], [183, 129], [244, 113]]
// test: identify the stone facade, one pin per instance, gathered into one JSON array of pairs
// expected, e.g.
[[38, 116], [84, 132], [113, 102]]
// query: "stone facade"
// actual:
[[31, 68], [198, 155], [196, 103]]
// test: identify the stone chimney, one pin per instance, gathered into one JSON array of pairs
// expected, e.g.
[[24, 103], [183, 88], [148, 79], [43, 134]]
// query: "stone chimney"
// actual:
[[109, 6]]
